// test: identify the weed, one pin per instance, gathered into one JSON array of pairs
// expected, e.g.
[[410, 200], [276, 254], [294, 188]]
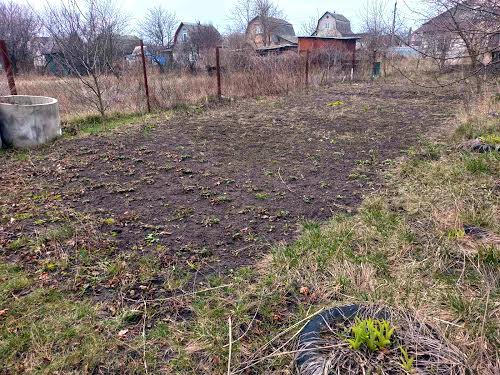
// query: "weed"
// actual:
[[50, 266], [262, 196], [406, 360], [492, 139], [477, 165], [335, 103], [59, 233], [152, 238], [108, 221], [223, 198], [19, 243], [375, 334], [182, 213], [455, 233], [210, 221], [130, 317]]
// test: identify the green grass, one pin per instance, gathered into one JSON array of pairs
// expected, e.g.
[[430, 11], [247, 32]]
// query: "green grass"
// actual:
[[44, 331], [95, 124]]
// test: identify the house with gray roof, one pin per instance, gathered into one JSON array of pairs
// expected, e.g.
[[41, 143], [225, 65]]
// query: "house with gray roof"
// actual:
[[333, 25], [265, 33]]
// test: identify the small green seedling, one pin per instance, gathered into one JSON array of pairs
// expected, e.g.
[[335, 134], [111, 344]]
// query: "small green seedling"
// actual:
[[492, 139], [152, 238], [406, 360], [456, 233], [336, 103], [261, 196], [375, 334]]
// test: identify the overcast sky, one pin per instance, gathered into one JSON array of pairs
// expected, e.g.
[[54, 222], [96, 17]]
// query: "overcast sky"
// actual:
[[296, 11]]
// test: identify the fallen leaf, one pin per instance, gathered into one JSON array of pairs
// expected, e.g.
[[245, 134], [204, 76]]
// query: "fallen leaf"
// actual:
[[123, 332]]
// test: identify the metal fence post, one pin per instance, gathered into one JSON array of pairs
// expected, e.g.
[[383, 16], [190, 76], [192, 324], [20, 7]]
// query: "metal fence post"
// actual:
[[353, 62], [307, 68], [145, 76], [217, 65], [8, 67]]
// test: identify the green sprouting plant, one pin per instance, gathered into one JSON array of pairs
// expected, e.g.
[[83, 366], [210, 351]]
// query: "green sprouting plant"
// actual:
[[375, 334], [336, 103], [406, 360], [152, 238], [456, 233], [492, 139], [261, 196]]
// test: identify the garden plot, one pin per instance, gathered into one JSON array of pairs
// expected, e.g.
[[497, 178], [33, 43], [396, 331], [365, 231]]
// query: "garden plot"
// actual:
[[214, 189]]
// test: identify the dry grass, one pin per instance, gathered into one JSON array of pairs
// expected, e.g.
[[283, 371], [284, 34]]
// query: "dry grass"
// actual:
[[243, 75], [328, 352], [406, 248], [256, 76]]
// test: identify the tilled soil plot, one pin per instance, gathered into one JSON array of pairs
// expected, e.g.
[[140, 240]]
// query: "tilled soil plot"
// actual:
[[216, 189]]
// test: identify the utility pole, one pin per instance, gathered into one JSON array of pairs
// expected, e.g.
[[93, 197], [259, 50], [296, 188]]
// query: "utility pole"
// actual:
[[393, 31]]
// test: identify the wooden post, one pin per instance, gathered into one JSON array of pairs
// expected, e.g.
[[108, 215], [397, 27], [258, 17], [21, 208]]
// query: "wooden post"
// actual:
[[307, 68], [217, 65], [8, 67], [145, 76]]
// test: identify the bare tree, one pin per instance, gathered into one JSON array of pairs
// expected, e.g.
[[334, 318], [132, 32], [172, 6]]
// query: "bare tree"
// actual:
[[235, 40], [269, 15], [376, 24], [241, 14], [159, 26], [309, 26], [245, 11], [200, 39], [461, 31], [383, 28], [86, 35], [18, 26]]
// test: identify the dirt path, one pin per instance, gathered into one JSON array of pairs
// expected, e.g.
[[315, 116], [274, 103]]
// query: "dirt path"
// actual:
[[216, 189]]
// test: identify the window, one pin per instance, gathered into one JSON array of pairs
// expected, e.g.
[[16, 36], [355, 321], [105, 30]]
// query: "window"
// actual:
[[327, 25], [185, 37], [258, 29]]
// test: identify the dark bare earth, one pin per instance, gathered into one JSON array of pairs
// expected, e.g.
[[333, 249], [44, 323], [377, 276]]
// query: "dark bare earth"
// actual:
[[212, 190]]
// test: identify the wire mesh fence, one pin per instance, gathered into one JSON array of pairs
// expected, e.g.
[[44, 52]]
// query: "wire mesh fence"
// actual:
[[243, 74]]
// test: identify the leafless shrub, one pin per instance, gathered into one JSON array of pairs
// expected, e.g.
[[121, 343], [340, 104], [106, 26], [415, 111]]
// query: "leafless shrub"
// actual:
[[458, 32], [86, 36], [18, 26], [159, 26], [199, 40]]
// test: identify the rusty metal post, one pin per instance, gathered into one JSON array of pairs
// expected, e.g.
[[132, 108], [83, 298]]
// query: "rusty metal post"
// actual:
[[307, 68], [8, 67], [217, 65], [353, 62], [145, 76]]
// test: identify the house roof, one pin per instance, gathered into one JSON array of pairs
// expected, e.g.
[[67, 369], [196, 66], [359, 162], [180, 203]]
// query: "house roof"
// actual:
[[460, 15], [127, 43], [290, 38], [337, 16], [280, 27], [344, 30], [191, 26]]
